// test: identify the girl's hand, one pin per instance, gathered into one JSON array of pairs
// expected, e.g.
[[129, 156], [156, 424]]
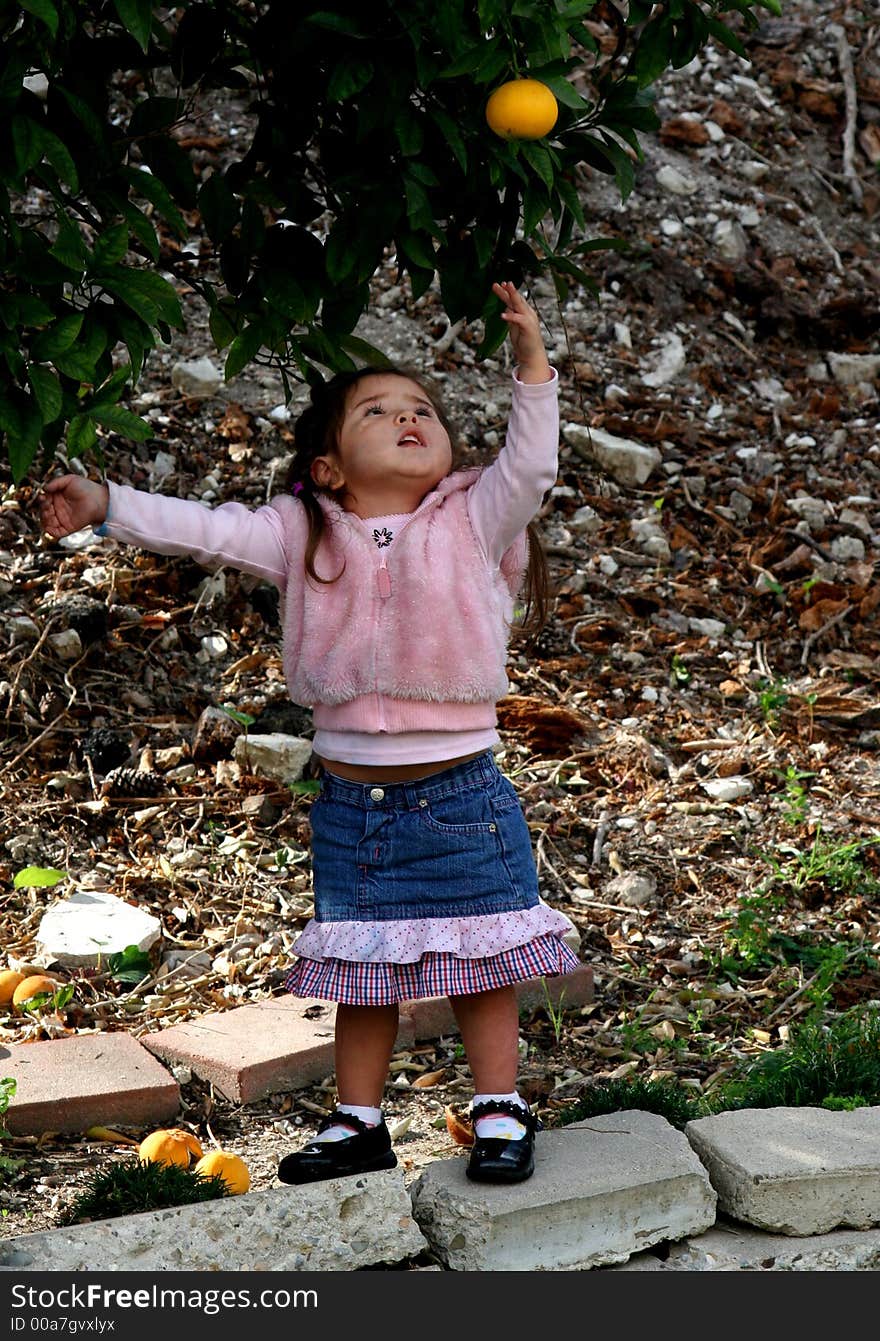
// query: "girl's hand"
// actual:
[[525, 334], [69, 503]]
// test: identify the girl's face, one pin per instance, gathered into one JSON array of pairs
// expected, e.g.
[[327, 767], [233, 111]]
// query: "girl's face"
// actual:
[[392, 449]]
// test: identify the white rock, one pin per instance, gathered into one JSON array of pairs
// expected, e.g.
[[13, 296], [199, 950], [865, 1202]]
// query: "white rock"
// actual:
[[669, 363], [753, 170], [214, 645], [813, 511], [89, 924], [716, 134], [196, 378], [67, 645], [607, 565], [850, 369], [671, 227], [711, 628], [273, 755], [727, 789], [632, 889], [730, 239], [78, 541], [162, 465], [629, 463], [675, 182], [847, 547], [22, 629], [770, 388], [586, 519]]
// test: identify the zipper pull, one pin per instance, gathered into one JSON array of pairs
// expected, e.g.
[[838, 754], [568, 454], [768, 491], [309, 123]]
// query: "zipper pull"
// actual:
[[384, 579]]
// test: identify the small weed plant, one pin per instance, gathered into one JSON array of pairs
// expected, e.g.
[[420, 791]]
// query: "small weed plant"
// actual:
[[131, 1186], [834, 1066], [7, 1090]]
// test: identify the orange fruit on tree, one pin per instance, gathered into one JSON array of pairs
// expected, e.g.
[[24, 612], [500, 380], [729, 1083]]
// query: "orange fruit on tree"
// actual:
[[170, 1145], [34, 986], [231, 1168], [9, 980], [522, 109]]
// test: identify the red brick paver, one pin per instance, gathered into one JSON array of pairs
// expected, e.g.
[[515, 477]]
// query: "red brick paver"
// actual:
[[70, 1084], [268, 1047]]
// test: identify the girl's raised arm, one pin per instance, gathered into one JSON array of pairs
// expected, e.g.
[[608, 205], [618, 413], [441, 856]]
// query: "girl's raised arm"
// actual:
[[509, 492]]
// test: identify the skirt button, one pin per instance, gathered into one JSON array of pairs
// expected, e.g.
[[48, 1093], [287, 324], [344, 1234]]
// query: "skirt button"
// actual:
[[377, 794]]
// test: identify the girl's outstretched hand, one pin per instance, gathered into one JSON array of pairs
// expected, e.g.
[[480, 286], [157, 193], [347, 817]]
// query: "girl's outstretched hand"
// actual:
[[69, 503], [525, 334]]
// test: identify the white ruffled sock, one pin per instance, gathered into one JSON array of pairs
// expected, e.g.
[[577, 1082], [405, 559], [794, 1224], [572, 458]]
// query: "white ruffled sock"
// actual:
[[338, 1132], [500, 1125]]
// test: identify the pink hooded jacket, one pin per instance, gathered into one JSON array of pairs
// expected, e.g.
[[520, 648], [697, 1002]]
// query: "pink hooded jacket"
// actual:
[[414, 640]]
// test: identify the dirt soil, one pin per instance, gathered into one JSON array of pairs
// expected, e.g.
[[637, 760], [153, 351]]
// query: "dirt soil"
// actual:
[[695, 741]]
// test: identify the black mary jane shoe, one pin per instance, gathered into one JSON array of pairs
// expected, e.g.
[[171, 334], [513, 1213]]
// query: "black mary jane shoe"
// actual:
[[366, 1151], [496, 1160]]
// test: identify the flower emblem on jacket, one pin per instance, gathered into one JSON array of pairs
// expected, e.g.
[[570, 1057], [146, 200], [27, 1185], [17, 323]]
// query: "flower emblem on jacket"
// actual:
[[383, 537]]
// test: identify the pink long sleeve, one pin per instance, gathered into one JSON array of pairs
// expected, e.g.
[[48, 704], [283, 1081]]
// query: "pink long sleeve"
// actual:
[[251, 540], [509, 493]]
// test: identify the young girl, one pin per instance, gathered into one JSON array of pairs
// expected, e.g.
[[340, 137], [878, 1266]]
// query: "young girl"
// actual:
[[398, 575]]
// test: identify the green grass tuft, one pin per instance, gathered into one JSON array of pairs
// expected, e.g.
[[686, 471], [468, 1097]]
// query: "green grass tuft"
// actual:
[[131, 1186]]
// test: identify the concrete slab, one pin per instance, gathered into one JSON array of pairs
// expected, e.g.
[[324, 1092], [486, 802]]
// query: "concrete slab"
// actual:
[[268, 1047], [70, 1084], [734, 1247], [340, 1225], [602, 1190], [793, 1170]]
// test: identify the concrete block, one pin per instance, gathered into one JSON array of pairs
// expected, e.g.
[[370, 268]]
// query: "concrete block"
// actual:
[[601, 1190], [268, 1047], [339, 1225], [793, 1170], [735, 1247], [70, 1084]]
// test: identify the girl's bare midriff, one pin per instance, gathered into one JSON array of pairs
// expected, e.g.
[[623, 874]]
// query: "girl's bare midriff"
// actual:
[[391, 772]]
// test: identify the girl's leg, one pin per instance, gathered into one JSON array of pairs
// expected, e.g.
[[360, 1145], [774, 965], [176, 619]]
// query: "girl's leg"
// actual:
[[503, 1150], [364, 1040], [489, 1025]]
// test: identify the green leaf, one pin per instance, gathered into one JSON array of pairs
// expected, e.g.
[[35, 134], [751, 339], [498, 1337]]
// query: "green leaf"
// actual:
[[349, 76], [110, 247], [136, 16], [81, 435], [144, 292], [723, 34], [38, 877], [140, 225], [26, 143], [81, 360], [69, 247], [58, 155], [144, 184], [122, 421], [362, 349], [451, 134], [108, 392], [538, 157], [58, 338], [218, 207], [243, 348], [129, 965], [47, 391], [45, 10]]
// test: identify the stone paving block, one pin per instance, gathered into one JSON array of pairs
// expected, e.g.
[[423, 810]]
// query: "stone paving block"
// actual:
[[339, 1225], [433, 1017], [267, 1047], [70, 1084], [793, 1170], [602, 1190], [735, 1247]]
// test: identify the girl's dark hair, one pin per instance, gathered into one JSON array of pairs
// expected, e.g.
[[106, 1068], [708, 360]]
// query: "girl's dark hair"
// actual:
[[316, 433]]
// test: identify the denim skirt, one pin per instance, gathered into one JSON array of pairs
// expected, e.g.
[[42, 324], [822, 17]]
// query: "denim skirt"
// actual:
[[424, 888]]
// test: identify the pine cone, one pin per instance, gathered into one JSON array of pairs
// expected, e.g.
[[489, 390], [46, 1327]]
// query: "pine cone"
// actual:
[[132, 782]]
